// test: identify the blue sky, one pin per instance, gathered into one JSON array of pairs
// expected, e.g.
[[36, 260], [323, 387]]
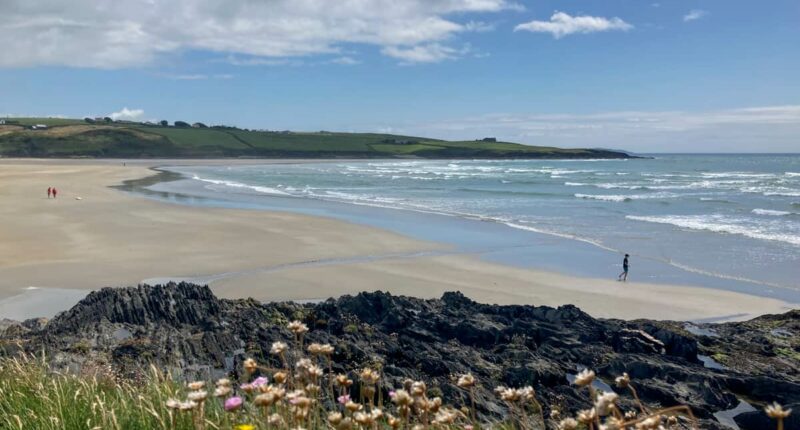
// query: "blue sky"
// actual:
[[666, 76]]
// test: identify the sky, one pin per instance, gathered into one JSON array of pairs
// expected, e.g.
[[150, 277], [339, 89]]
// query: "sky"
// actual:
[[640, 75]]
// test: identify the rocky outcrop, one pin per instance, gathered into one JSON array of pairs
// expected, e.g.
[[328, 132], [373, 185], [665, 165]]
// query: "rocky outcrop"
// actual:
[[186, 329]]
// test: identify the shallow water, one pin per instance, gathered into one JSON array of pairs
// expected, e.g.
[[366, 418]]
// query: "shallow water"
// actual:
[[527, 214]]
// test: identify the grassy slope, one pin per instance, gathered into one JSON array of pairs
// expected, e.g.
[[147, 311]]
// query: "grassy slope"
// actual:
[[74, 138]]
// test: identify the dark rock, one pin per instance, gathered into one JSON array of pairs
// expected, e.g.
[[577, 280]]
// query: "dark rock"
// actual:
[[185, 329]]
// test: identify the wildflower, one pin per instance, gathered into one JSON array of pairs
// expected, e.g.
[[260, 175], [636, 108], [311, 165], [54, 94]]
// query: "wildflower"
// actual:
[[173, 403], [250, 365], [605, 403], [224, 382], [233, 403], [434, 404], [314, 371], [326, 349], [343, 381], [297, 327], [314, 349], [555, 413], [279, 377], [776, 411], [343, 399], [614, 423], [401, 398], [265, 399], [623, 381], [258, 382], [247, 388], [587, 415], [466, 381], [584, 377], [187, 405], [394, 422], [363, 419], [245, 427], [650, 423], [335, 418], [278, 348], [630, 415], [526, 394], [352, 406], [196, 385], [445, 417], [222, 391], [197, 396], [369, 376], [313, 389], [672, 421], [276, 420], [568, 424], [418, 388], [509, 394]]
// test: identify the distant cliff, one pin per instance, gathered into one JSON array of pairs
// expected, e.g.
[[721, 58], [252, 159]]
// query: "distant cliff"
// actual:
[[44, 137], [186, 329]]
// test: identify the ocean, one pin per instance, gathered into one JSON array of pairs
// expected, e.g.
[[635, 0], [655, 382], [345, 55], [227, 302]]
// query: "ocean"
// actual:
[[723, 221]]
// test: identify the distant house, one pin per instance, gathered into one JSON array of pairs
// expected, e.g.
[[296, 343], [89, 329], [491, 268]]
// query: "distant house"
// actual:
[[39, 127], [489, 139], [2, 122]]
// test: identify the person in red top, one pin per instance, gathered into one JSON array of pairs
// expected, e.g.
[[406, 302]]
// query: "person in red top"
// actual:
[[49, 191], [54, 192]]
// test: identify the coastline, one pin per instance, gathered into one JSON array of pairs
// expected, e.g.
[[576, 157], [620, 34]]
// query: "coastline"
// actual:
[[112, 238]]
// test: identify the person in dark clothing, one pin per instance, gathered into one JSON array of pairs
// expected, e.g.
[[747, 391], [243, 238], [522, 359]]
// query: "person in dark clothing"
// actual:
[[54, 192], [49, 191], [624, 275]]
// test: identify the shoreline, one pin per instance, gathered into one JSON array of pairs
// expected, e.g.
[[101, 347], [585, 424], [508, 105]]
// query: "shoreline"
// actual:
[[115, 239]]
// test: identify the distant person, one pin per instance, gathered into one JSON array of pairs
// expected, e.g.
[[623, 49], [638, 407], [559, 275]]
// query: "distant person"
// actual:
[[49, 191], [55, 191], [624, 275]]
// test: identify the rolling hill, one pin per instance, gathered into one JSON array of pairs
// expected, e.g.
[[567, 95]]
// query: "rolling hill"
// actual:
[[20, 137]]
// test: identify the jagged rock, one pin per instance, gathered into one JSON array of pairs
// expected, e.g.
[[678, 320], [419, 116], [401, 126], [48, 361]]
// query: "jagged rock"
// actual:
[[184, 328]]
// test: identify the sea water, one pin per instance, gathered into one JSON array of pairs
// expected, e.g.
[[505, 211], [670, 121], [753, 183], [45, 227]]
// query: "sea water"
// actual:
[[711, 219]]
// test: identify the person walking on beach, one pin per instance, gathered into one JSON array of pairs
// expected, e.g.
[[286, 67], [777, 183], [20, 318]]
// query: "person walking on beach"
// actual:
[[49, 191], [54, 192], [624, 275]]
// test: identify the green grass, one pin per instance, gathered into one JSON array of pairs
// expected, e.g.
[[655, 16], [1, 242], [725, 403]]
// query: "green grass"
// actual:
[[132, 140], [50, 122]]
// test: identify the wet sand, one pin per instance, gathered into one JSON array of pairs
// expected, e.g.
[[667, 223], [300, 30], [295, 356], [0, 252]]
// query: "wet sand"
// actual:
[[67, 246]]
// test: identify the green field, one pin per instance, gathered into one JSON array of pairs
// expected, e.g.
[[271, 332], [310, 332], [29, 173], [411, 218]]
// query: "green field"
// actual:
[[76, 138]]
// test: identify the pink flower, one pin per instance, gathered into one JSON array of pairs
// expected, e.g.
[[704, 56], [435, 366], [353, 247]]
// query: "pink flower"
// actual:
[[261, 380], [467, 427], [391, 394], [343, 399], [233, 403]]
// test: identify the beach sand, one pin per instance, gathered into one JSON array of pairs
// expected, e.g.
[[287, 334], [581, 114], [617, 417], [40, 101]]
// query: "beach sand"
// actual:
[[53, 251]]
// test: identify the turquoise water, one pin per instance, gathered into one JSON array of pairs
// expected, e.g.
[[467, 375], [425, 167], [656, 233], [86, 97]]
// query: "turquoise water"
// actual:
[[726, 217]]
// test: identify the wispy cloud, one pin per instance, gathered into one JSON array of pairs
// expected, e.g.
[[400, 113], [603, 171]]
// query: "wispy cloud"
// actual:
[[127, 114], [694, 15], [198, 76], [345, 61], [770, 128], [562, 24], [99, 34], [431, 53]]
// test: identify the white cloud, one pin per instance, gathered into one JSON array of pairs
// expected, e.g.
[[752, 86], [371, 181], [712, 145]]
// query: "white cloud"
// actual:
[[562, 24], [771, 128], [431, 53], [127, 114], [100, 34], [694, 14], [345, 61]]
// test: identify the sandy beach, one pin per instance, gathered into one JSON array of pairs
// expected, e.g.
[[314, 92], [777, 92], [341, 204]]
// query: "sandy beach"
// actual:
[[94, 236]]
